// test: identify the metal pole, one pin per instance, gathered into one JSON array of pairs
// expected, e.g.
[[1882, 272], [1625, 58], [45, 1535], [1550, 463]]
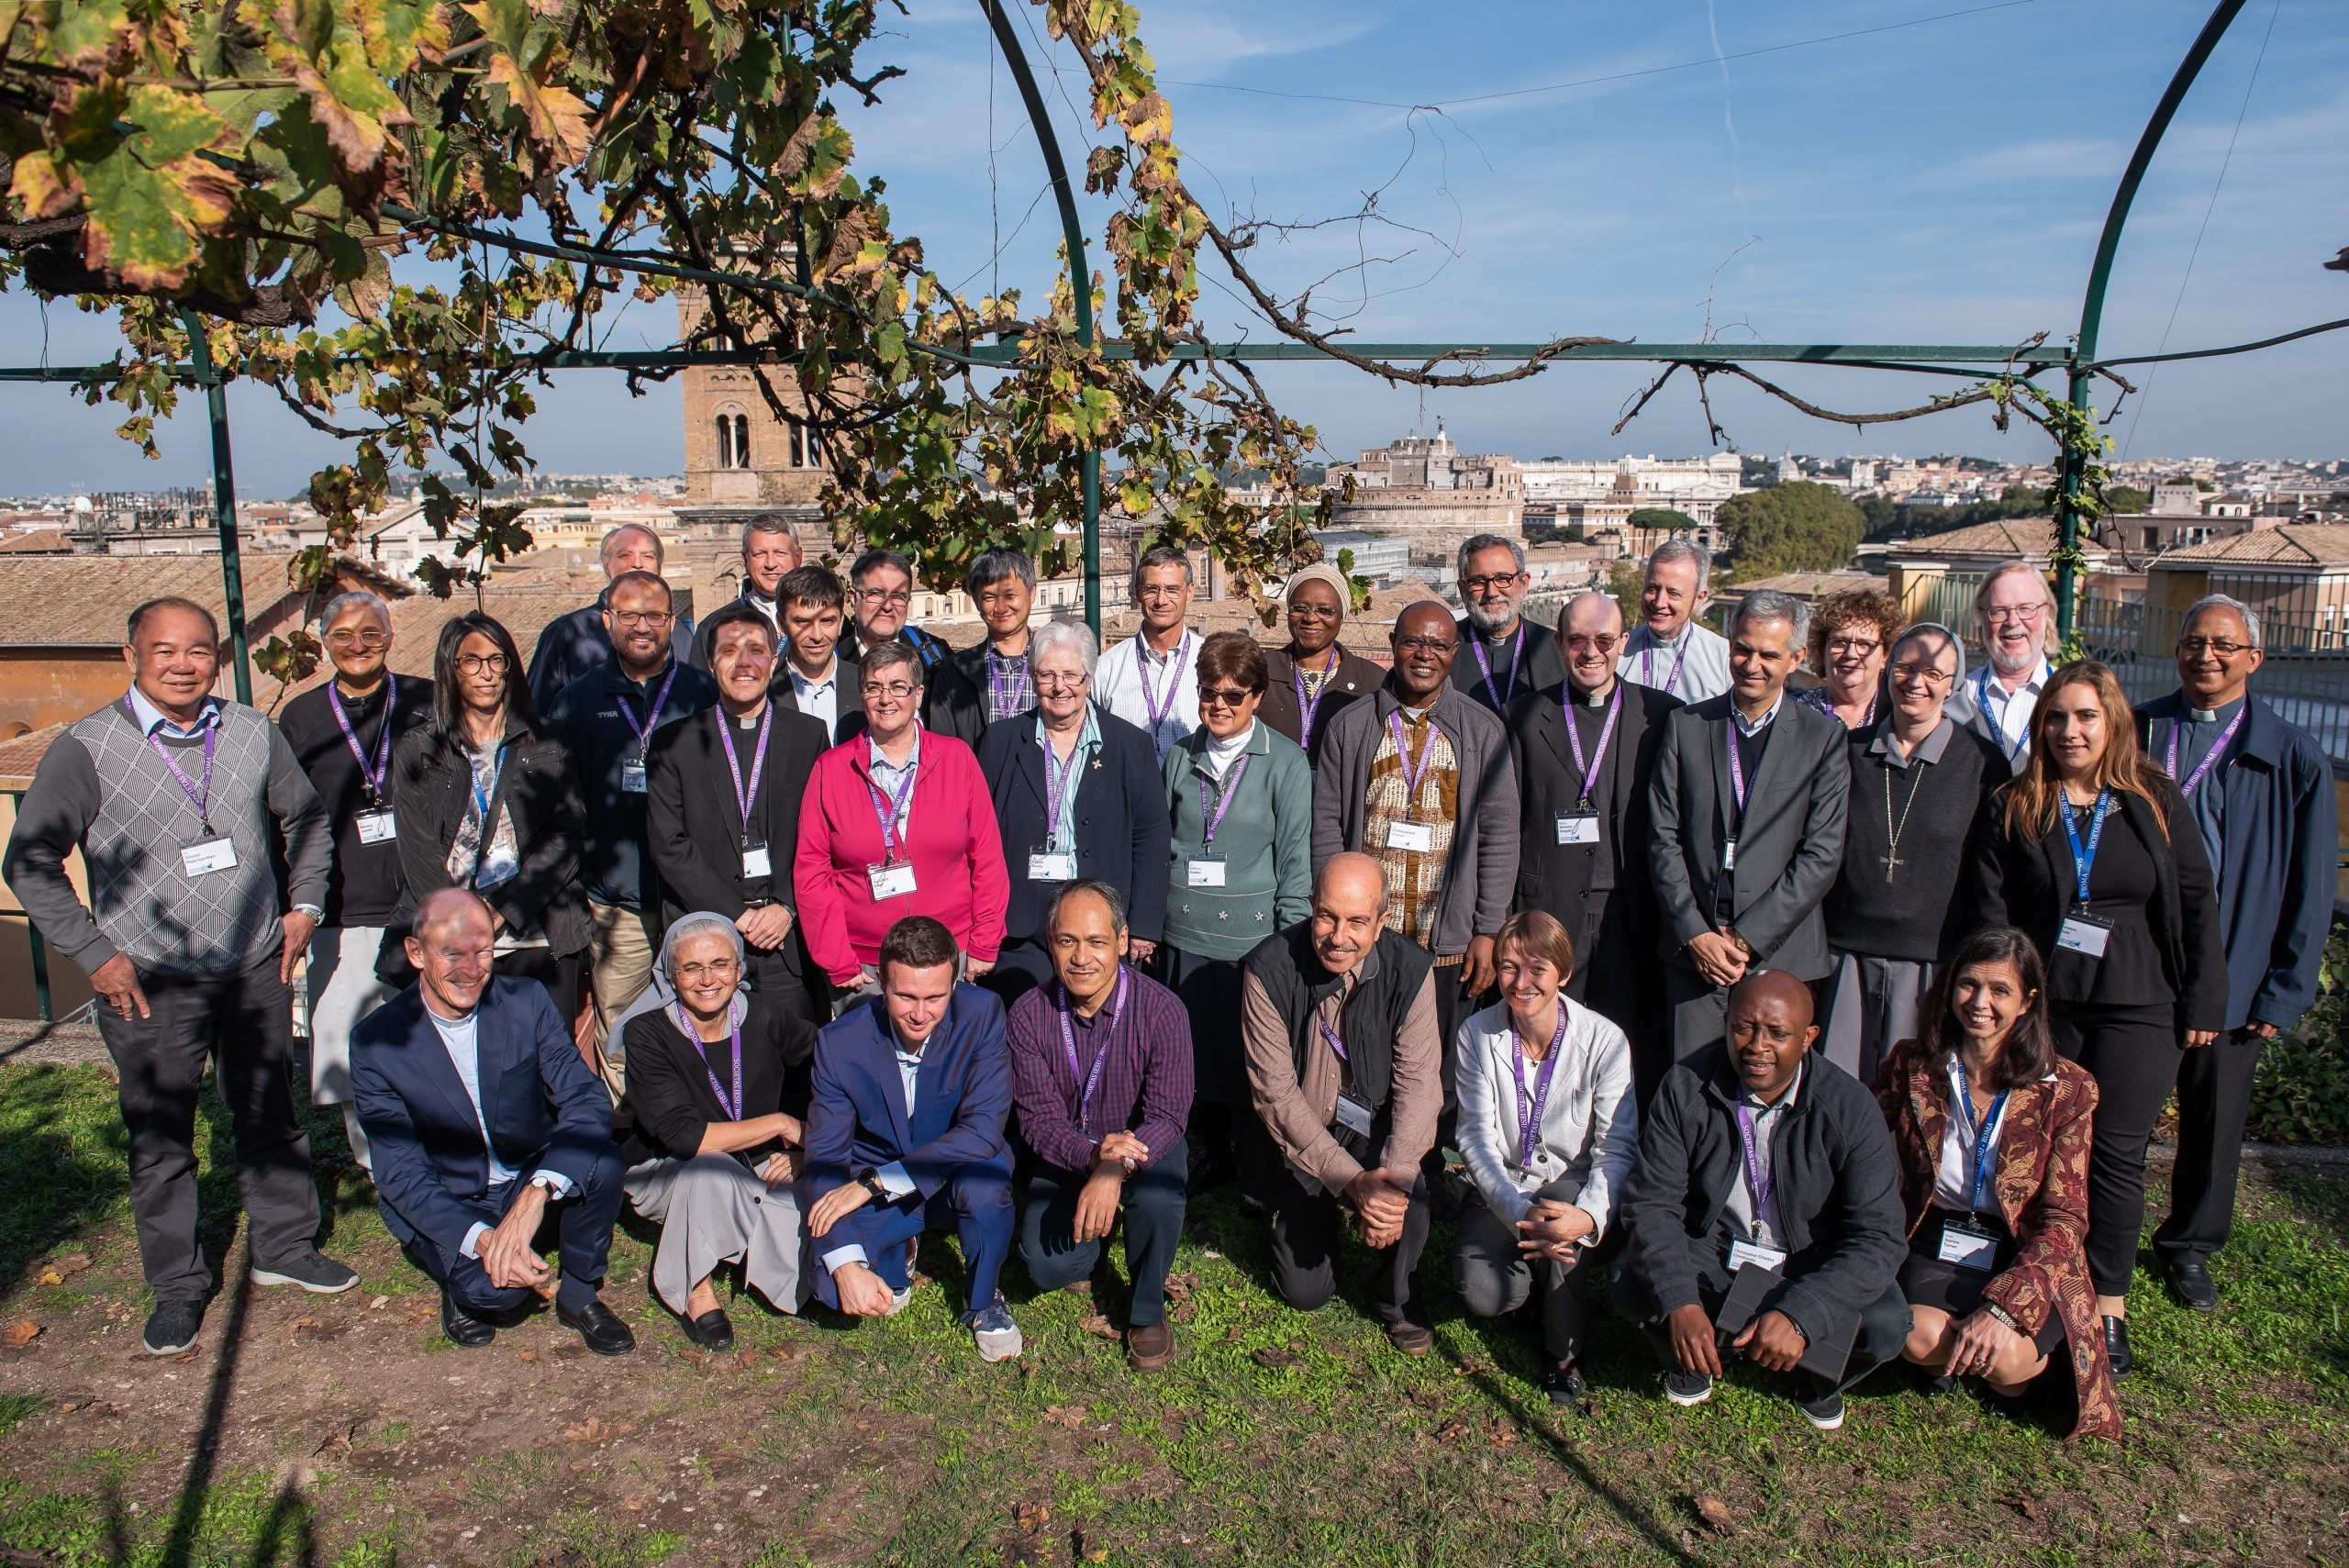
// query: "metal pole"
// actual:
[[224, 501], [2067, 514], [1080, 276]]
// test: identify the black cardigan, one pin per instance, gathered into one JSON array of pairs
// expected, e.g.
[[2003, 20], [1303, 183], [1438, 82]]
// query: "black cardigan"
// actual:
[[431, 785], [669, 1104], [2027, 883], [1122, 829]]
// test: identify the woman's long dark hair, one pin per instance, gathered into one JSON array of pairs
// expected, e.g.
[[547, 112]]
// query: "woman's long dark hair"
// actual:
[[2029, 1054], [448, 706]]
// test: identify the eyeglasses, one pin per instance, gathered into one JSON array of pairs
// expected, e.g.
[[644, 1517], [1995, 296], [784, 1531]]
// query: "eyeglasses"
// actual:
[[715, 968], [368, 639], [1577, 643], [640, 618], [2014, 612], [1428, 645], [1223, 696], [1853, 645], [2194, 647], [897, 689], [886, 596], [1300, 611], [1925, 672], [1062, 681], [1486, 583], [480, 663], [1158, 590]]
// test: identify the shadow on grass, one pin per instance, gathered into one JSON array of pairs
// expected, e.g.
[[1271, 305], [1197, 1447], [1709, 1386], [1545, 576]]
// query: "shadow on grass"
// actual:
[[61, 1164]]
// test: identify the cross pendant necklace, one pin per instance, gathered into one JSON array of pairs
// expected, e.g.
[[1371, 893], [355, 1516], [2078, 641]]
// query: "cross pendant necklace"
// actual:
[[1891, 856]]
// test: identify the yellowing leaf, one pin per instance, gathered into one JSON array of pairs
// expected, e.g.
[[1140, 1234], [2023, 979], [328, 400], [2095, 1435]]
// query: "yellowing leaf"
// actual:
[[37, 186], [152, 194], [524, 59]]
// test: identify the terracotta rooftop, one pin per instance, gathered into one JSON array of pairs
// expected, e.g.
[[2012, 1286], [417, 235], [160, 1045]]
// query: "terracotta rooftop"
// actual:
[[83, 601], [1807, 585], [2006, 536], [2285, 544]]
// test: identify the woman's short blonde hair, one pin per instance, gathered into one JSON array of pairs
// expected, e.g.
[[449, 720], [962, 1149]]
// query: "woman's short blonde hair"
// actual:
[[1537, 934]]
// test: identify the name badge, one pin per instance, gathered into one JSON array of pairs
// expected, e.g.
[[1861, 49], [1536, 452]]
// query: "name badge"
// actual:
[[1206, 873], [890, 882], [1577, 826], [2084, 934], [1045, 866], [1743, 1252], [1967, 1248], [756, 861], [1728, 855], [1353, 1115], [376, 828], [212, 854], [633, 778], [1411, 838]]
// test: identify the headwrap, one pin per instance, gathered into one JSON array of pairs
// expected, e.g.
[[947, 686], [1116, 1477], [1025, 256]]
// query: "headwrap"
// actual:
[[1321, 572]]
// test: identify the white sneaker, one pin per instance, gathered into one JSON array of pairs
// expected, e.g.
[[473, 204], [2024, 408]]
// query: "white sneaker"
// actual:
[[999, 1337], [899, 1299]]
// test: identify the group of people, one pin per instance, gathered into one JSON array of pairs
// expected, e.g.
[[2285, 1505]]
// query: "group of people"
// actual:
[[802, 934]]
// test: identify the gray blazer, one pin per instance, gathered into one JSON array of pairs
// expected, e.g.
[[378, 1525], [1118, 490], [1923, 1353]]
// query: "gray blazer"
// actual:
[[1789, 850], [1480, 876]]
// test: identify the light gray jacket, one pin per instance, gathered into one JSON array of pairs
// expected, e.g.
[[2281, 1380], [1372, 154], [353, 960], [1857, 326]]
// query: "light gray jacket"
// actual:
[[1589, 1130]]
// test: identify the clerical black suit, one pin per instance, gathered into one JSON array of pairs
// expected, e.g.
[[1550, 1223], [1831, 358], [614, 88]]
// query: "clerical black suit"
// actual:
[[1526, 661]]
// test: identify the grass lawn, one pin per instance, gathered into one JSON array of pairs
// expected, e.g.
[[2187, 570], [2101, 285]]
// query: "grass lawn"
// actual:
[[345, 1431]]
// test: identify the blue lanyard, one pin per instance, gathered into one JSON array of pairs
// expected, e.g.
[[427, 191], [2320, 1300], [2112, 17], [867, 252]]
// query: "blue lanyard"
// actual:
[[2083, 858], [1982, 1134], [482, 798]]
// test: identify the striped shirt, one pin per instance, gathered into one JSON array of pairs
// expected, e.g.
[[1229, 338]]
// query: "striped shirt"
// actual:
[[1414, 880]]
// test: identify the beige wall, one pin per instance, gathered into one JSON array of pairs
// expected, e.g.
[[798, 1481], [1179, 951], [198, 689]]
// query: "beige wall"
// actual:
[[69, 988]]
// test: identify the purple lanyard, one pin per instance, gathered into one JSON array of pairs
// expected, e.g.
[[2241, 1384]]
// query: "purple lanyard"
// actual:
[[1088, 1086], [1530, 1105], [745, 794], [377, 775], [1647, 660], [1056, 783], [199, 796], [1306, 706], [2217, 751], [644, 730], [1516, 657], [1150, 703], [1764, 1186], [733, 1108], [1223, 795], [890, 807], [1606, 733], [1737, 764], [1331, 1035], [1411, 776]]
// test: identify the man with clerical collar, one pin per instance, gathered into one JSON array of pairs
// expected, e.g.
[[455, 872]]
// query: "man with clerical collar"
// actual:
[[2015, 617], [1755, 1156], [482, 1116], [1669, 651], [608, 717], [906, 1134], [770, 552], [1502, 657], [344, 734], [1584, 751], [722, 810], [1101, 1073], [2261, 790], [1002, 583], [573, 644], [1339, 1017], [1746, 813]]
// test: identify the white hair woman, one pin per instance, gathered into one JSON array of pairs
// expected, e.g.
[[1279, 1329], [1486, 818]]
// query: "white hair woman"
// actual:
[[712, 1152]]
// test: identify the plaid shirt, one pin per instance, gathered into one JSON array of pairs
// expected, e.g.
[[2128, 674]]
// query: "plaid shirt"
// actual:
[[1145, 1086], [1414, 881], [1011, 690]]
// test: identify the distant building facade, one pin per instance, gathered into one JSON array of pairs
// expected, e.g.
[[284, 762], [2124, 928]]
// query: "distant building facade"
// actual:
[[738, 452], [1603, 493], [1424, 489]]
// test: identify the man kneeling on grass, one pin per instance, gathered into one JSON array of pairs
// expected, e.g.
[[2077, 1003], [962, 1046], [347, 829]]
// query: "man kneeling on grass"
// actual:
[[1764, 1212], [906, 1132]]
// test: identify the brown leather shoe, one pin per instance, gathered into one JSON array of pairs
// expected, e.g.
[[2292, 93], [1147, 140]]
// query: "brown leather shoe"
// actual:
[[1412, 1338], [1149, 1346]]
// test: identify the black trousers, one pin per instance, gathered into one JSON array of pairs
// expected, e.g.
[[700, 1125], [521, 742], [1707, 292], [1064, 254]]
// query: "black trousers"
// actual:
[[2214, 1102], [1307, 1224], [1020, 966], [776, 973], [582, 1222], [246, 1021], [1883, 1322], [1153, 1210], [1494, 1278], [560, 976], [2132, 1052]]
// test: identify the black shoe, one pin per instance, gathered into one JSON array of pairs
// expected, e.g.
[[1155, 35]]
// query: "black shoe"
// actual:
[[599, 1330], [464, 1330], [2116, 1345], [318, 1274], [1565, 1383], [711, 1331], [2189, 1281], [1939, 1384], [173, 1326]]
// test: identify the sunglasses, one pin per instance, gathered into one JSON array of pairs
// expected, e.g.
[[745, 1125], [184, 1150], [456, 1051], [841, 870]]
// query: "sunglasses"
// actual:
[[1223, 696]]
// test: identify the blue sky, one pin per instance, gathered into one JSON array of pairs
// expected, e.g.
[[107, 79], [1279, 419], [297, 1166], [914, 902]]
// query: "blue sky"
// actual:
[[1943, 181]]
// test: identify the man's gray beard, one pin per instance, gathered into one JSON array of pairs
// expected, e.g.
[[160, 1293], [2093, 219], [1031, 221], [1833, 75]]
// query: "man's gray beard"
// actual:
[[1489, 621], [2023, 666]]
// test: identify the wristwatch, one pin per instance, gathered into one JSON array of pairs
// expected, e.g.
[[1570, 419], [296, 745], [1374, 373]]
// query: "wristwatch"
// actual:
[[869, 1180]]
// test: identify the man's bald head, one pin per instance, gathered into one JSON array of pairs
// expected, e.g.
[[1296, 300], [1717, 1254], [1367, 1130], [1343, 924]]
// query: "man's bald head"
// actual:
[[1349, 908], [453, 948], [453, 907], [1590, 635], [1769, 1030]]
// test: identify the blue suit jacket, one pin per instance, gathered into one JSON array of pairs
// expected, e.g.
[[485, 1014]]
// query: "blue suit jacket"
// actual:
[[545, 1110], [1122, 830], [857, 1119], [2278, 839]]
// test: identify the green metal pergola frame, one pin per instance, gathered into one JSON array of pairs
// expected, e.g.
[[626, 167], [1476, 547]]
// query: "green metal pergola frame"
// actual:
[[2078, 360]]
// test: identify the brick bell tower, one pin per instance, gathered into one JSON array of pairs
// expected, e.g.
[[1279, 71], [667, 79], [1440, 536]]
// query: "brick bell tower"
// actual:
[[739, 456]]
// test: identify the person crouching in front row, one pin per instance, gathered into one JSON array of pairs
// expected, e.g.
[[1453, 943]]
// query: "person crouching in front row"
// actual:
[[905, 1133], [1757, 1156]]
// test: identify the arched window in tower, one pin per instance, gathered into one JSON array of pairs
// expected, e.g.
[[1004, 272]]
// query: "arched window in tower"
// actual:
[[733, 440], [801, 449]]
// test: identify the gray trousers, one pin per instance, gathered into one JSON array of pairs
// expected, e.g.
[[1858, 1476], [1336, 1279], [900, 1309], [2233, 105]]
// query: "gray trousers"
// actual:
[[1495, 1279], [1872, 1008], [1698, 1010], [246, 1021], [712, 1210]]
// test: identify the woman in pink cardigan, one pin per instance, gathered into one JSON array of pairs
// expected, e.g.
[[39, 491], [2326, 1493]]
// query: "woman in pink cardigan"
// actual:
[[896, 821]]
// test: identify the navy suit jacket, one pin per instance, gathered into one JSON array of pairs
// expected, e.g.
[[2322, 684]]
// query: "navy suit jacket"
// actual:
[[2278, 840], [857, 1121], [545, 1110], [1122, 830]]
